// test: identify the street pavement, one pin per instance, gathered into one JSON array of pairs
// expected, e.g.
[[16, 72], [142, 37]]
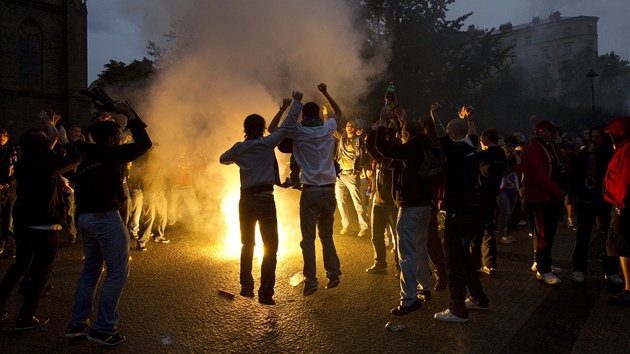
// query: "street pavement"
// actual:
[[171, 303]]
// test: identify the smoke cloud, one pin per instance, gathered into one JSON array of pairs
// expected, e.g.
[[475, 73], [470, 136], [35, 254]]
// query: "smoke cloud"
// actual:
[[229, 59]]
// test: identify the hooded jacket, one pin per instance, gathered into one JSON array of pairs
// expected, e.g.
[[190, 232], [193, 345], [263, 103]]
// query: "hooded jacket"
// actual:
[[538, 177], [617, 180]]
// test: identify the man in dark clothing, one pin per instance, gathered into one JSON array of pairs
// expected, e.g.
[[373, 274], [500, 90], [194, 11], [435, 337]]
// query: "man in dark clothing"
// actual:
[[8, 158], [99, 198], [492, 165], [459, 143], [412, 196], [384, 210]]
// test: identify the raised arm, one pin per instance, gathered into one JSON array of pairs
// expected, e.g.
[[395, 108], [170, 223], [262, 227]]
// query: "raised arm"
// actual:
[[467, 113], [333, 105], [439, 127], [276, 119]]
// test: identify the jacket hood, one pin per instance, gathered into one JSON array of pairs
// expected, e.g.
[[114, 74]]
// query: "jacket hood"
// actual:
[[619, 130]]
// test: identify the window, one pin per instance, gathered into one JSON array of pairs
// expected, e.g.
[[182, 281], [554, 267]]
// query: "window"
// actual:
[[544, 53], [589, 29], [567, 32], [568, 49], [528, 40], [544, 37], [30, 53], [589, 45]]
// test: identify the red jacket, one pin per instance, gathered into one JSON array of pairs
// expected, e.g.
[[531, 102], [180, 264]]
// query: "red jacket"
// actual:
[[537, 169], [617, 180]]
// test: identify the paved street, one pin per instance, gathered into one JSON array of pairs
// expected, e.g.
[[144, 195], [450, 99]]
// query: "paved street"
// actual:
[[171, 304]]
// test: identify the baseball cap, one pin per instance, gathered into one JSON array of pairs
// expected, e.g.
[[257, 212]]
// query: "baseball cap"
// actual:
[[548, 125]]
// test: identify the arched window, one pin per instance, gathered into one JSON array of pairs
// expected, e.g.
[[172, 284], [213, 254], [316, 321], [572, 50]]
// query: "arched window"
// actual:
[[30, 54]]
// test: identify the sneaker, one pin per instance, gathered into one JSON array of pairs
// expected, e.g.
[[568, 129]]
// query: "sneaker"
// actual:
[[488, 270], [247, 292], [287, 183], [424, 295], [105, 339], [309, 290], [570, 223], [620, 299], [548, 278], [77, 330], [266, 301], [554, 270], [522, 223], [615, 279], [511, 238], [405, 310], [29, 323], [375, 269], [344, 231], [364, 233], [578, 277], [161, 239], [473, 304], [332, 283], [142, 246], [504, 240], [171, 223], [447, 316]]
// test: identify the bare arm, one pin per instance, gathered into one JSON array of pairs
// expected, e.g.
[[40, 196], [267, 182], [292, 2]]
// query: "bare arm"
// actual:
[[439, 127], [273, 126], [333, 105], [472, 130]]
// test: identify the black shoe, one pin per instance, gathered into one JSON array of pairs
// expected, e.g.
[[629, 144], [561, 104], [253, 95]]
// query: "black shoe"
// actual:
[[77, 330], [29, 323], [105, 339], [424, 295], [620, 299], [332, 283], [440, 286], [266, 301], [141, 246], [405, 310], [375, 269], [247, 292], [309, 290]]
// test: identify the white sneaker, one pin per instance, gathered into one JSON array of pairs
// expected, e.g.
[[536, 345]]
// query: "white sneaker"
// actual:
[[578, 277], [615, 279], [570, 223], [504, 240], [522, 223], [554, 270], [447, 316], [548, 278]]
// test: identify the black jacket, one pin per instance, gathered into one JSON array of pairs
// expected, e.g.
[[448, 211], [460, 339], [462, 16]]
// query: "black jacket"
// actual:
[[40, 198], [409, 189], [99, 185]]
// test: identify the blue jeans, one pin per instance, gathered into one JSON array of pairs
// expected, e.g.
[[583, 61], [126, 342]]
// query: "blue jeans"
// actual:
[[154, 215], [351, 183], [259, 208], [506, 204], [317, 210], [105, 239], [413, 255]]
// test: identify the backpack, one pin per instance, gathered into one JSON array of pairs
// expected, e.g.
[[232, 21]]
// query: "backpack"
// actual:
[[431, 167]]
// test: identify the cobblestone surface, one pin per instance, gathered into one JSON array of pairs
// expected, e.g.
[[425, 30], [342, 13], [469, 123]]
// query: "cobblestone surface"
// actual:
[[171, 305]]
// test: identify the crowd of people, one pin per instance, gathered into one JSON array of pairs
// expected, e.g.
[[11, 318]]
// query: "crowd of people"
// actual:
[[399, 182]]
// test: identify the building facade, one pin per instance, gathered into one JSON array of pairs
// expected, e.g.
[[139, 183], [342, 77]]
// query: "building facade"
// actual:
[[43, 62], [553, 40]]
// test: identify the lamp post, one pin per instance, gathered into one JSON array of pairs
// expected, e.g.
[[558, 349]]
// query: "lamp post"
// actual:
[[592, 75]]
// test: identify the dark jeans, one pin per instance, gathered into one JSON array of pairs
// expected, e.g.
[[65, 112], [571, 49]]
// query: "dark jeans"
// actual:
[[434, 244], [317, 210], [587, 212], [383, 216], [459, 231], [483, 248], [36, 251], [7, 241], [259, 208], [544, 220]]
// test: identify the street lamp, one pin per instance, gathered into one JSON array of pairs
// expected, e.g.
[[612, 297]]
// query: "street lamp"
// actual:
[[592, 75]]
